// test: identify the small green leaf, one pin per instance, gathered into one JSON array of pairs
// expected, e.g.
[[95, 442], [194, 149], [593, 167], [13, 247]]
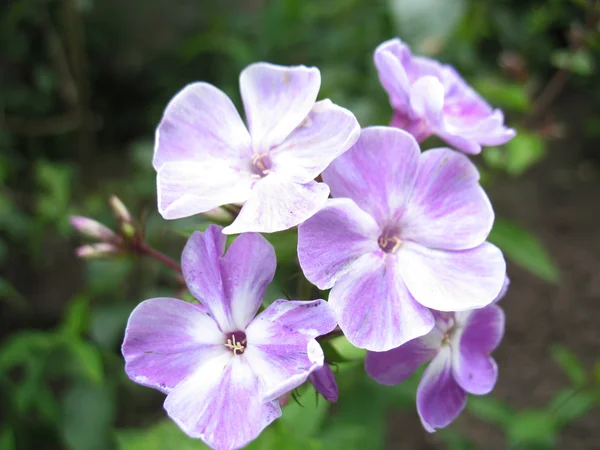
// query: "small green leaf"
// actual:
[[89, 360], [502, 94], [579, 62], [331, 354], [76, 317], [570, 404], [524, 249], [491, 410], [22, 346], [346, 349], [570, 364], [523, 151], [532, 428]]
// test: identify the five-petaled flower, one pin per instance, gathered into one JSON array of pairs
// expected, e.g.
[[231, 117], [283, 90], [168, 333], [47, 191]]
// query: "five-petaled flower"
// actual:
[[205, 157], [406, 232], [222, 368], [459, 348], [432, 98]]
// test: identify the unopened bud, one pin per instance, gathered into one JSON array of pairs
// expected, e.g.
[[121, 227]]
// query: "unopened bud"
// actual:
[[218, 215], [324, 382], [128, 230], [93, 229], [101, 250], [119, 209]]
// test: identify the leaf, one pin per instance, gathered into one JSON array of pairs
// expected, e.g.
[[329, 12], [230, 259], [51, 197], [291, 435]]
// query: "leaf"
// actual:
[[524, 249], [7, 439], [162, 436], [89, 360], [75, 322], [570, 404], [22, 346], [532, 428], [491, 410], [346, 349], [502, 94], [306, 419], [427, 24], [570, 364], [579, 62], [523, 151]]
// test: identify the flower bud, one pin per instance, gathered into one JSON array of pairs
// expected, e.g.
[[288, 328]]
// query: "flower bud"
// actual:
[[100, 250], [120, 210], [324, 382], [93, 229]]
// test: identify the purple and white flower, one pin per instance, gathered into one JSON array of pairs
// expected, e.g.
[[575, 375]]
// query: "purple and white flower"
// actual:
[[432, 98], [205, 156], [222, 368], [459, 348], [324, 382], [406, 232]]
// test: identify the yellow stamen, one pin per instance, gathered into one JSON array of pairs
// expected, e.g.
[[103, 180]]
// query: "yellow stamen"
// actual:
[[235, 346]]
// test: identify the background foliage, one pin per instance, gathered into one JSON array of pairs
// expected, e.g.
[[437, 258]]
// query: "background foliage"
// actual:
[[83, 84]]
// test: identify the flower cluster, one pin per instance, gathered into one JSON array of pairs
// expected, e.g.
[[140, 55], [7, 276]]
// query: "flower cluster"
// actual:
[[397, 234]]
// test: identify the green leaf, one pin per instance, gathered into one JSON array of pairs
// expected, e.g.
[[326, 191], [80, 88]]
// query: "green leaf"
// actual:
[[346, 349], [75, 322], [285, 243], [22, 346], [523, 151], [502, 93], [532, 428], [491, 410], [570, 364], [331, 353], [162, 436], [580, 62], [524, 249], [7, 439], [570, 404], [88, 359], [306, 419]]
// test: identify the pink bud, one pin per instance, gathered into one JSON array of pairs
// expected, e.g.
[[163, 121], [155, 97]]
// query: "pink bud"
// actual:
[[97, 250], [93, 229]]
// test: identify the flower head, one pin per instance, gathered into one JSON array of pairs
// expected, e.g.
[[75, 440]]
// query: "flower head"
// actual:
[[459, 348], [205, 157], [405, 232], [222, 368], [432, 98]]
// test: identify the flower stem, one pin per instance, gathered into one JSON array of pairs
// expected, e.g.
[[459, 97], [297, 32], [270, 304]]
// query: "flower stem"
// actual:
[[145, 249]]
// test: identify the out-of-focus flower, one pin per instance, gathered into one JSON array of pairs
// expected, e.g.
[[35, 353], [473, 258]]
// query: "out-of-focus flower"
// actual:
[[323, 380], [406, 232], [100, 250], [459, 348], [91, 228], [205, 157], [120, 210], [432, 98], [222, 368]]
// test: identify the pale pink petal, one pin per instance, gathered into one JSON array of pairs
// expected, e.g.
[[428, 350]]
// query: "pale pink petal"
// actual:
[[166, 340], [219, 405], [281, 347], [201, 123], [389, 58], [277, 204], [378, 172], [396, 365], [186, 188], [452, 280], [327, 132], [374, 308], [277, 99], [427, 98], [448, 208], [439, 398], [331, 240]]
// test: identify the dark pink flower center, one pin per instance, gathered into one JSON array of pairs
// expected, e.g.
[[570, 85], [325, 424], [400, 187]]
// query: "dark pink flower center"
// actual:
[[261, 165], [389, 241], [236, 342]]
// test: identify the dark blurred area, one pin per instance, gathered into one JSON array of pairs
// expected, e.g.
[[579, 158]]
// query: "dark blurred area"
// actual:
[[83, 84]]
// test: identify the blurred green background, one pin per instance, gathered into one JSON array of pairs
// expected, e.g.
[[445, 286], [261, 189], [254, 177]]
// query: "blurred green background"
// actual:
[[82, 86]]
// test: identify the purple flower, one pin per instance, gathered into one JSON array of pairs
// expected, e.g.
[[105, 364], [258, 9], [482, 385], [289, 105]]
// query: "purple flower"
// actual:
[[323, 380], [432, 98], [205, 157], [222, 368], [459, 348], [405, 233]]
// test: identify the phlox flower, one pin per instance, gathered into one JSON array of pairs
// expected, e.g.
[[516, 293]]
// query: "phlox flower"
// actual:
[[431, 98], [222, 368], [324, 382], [459, 348], [406, 232], [205, 156]]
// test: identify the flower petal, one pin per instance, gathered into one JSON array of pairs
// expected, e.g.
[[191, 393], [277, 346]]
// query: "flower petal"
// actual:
[[389, 57], [475, 372], [219, 404], [323, 380], [396, 365], [482, 328], [277, 204], [201, 123], [448, 208], [331, 240], [427, 98], [378, 172], [281, 347], [327, 132], [187, 188], [439, 398], [452, 280], [167, 339], [277, 99], [231, 286], [374, 308]]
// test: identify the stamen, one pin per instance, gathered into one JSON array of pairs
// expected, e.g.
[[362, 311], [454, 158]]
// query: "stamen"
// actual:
[[236, 345], [389, 242], [261, 165]]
